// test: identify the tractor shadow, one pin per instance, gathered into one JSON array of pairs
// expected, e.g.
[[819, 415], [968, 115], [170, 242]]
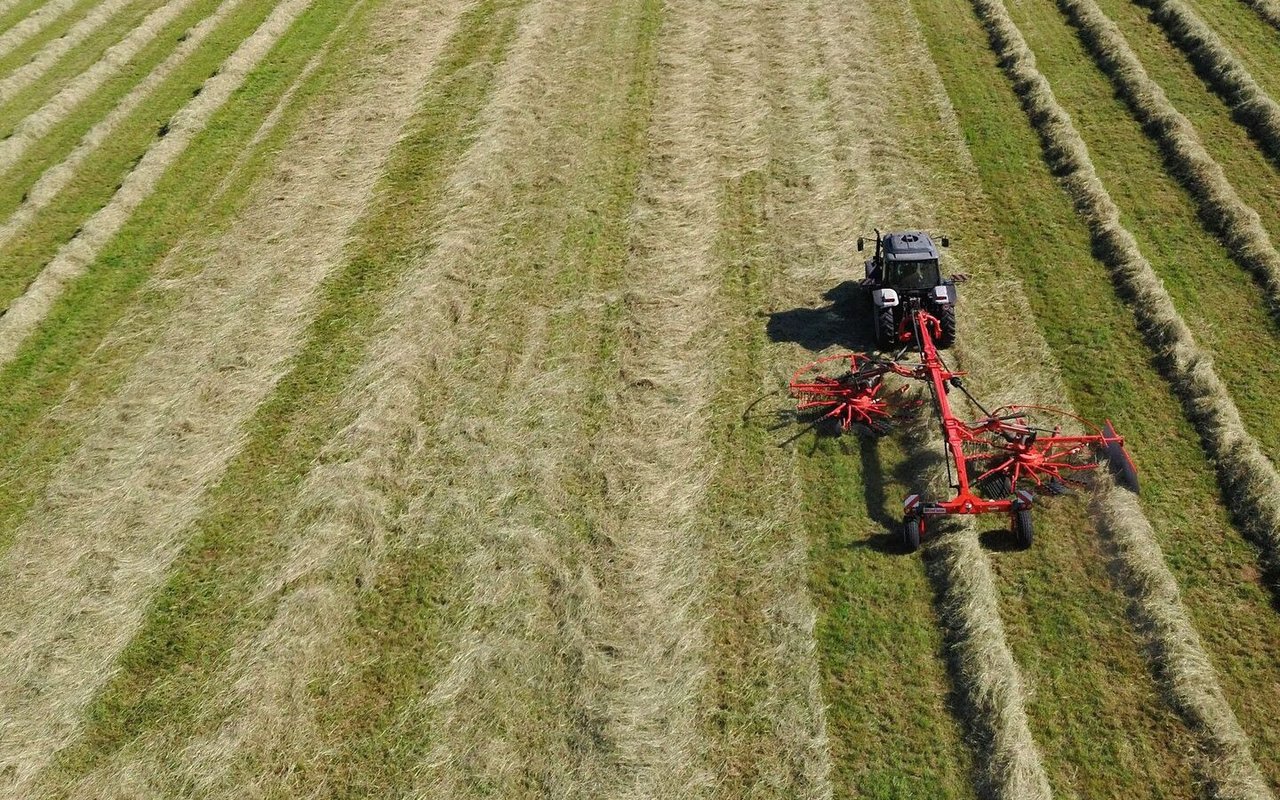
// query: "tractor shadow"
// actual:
[[846, 321]]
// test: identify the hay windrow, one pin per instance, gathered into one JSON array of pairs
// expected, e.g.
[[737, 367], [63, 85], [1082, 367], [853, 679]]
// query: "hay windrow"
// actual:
[[45, 15], [1175, 649], [59, 176], [31, 71], [31, 129], [150, 451], [74, 258], [1221, 208], [1249, 480], [1213, 59], [1269, 10], [1179, 656]]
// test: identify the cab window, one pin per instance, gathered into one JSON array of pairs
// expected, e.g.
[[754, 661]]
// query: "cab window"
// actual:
[[913, 274]]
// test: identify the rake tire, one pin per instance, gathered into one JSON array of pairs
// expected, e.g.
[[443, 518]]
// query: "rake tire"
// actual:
[[911, 534], [1023, 535]]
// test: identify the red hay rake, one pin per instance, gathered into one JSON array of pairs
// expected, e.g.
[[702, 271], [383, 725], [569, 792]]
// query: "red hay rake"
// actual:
[[996, 463]]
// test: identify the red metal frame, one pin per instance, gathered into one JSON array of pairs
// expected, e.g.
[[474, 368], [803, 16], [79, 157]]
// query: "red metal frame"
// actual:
[[1012, 447]]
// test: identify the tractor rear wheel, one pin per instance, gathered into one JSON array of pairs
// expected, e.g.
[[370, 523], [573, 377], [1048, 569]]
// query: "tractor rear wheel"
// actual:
[[886, 329], [911, 533], [1022, 533], [947, 321]]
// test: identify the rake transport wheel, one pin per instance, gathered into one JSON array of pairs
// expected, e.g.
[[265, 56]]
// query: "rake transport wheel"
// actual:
[[912, 528], [1022, 533]]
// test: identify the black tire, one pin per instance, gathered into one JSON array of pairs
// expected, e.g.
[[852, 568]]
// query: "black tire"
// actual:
[[1022, 533], [911, 534], [1119, 463], [947, 321], [886, 329]]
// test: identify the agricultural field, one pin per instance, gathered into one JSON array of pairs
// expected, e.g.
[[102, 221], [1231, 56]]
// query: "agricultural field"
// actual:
[[394, 399]]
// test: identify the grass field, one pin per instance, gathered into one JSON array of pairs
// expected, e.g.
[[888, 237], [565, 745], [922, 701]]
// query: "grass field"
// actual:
[[395, 398]]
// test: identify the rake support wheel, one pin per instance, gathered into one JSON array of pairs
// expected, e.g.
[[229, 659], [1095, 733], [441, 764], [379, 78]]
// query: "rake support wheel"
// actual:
[[1022, 531]]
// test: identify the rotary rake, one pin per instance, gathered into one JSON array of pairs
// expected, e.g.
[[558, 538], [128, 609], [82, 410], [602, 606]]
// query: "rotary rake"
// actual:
[[996, 463]]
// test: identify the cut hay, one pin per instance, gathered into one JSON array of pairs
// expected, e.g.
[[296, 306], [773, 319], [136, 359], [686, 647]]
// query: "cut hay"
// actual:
[[1221, 208], [59, 176], [31, 129], [1174, 647], [1269, 10], [40, 63], [1249, 480], [74, 258], [1213, 59], [35, 22], [1178, 657]]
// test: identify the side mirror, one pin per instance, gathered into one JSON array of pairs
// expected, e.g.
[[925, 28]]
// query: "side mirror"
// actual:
[[860, 244], [946, 241]]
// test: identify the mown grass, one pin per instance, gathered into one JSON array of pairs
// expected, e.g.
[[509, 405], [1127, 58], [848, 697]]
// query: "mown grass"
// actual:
[[17, 13], [54, 29], [80, 58], [1197, 271], [1254, 42], [1109, 373], [55, 358], [380, 730], [1246, 166], [22, 258], [203, 604]]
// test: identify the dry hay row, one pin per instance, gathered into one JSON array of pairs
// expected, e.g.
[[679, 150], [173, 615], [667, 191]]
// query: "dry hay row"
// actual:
[[1269, 10], [39, 122], [988, 680], [351, 508], [13, 38], [652, 574], [1178, 655], [6, 5], [1215, 62], [66, 618], [1194, 688], [31, 71], [1221, 208], [74, 258], [59, 176]]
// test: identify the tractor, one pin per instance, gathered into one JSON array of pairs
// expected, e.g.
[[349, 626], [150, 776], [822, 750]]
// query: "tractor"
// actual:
[[905, 269]]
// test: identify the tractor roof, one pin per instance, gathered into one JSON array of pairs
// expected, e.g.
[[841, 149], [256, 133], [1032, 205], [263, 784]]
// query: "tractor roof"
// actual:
[[909, 246]]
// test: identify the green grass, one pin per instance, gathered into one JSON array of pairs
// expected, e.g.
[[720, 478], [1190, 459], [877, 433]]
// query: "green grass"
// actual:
[[27, 253], [1253, 41], [380, 731], [56, 356], [204, 602], [28, 49], [80, 58], [1107, 369], [1196, 269], [1248, 169], [19, 12]]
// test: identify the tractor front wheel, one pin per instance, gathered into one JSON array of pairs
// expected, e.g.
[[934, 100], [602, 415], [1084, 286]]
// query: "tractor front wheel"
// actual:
[[1022, 528], [911, 528]]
